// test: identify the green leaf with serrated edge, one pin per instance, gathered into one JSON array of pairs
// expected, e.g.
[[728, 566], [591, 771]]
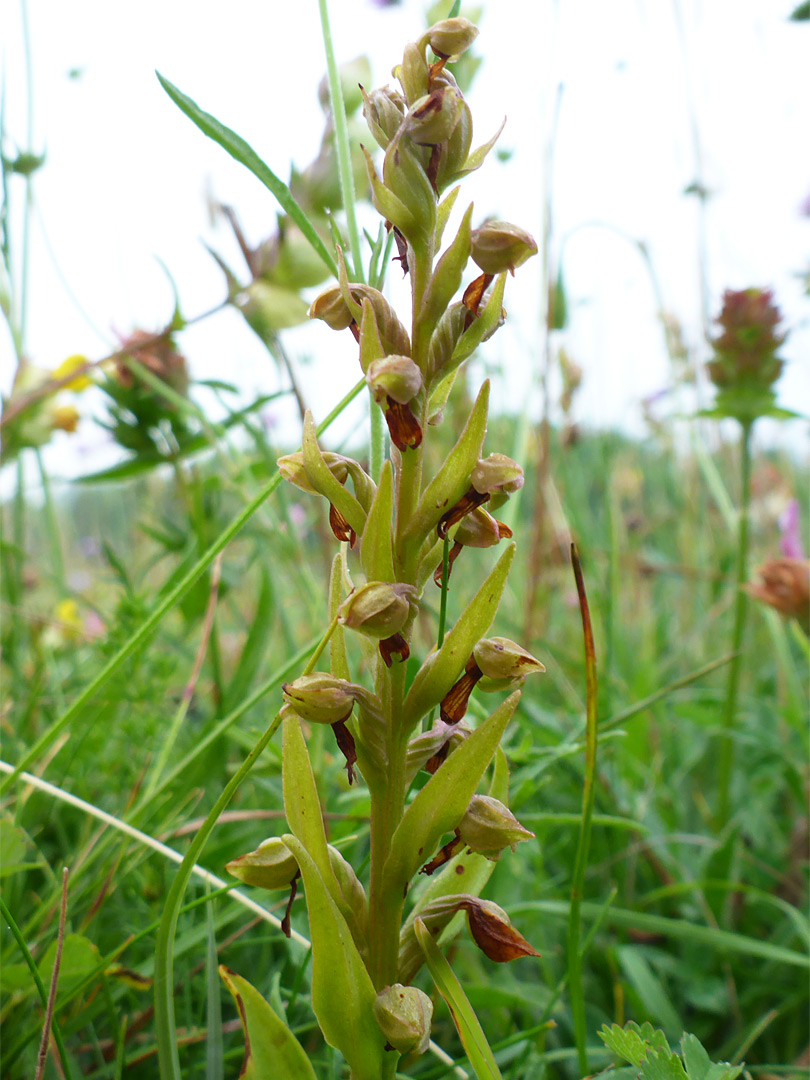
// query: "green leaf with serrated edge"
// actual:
[[476, 159], [247, 156], [483, 325], [325, 483], [376, 554], [662, 1065], [443, 212], [342, 992], [631, 1042], [440, 805], [445, 281], [271, 1049], [453, 478], [695, 1058], [302, 806], [473, 1039], [442, 669], [386, 203], [724, 1071]]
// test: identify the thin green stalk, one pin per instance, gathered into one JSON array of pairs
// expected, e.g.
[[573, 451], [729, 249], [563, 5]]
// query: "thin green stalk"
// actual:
[[376, 453], [149, 624], [168, 1056], [443, 601], [581, 863], [43, 993], [740, 610], [57, 560], [341, 143]]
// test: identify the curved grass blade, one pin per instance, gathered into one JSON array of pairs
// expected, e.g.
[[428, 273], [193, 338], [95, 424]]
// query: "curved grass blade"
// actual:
[[243, 153], [164, 967], [581, 863], [470, 1031], [167, 603]]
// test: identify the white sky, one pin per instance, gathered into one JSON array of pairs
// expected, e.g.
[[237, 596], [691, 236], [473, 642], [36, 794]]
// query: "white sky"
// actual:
[[127, 175]]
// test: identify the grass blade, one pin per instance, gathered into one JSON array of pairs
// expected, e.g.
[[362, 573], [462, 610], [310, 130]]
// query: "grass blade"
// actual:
[[214, 1061], [470, 1031], [243, 153]]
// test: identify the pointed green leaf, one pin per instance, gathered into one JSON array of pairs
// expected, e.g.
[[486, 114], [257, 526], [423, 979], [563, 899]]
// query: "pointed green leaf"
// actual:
[[441, 803], [442, 669], [376, 553], [453, 478], [443, 212], [324, 482], [247, 156], [271, 1049], [302, 806], [695, 1058], [446, 280], [342, 992], [476, 158], [470, 1031]]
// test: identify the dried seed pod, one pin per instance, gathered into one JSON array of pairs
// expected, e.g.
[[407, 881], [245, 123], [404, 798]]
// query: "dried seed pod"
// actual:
[[488, 827], [494, 934], [404, 1014]]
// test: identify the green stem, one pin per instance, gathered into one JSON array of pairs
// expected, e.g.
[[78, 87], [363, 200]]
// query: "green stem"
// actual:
[[376, 454], [149, 624], [55, 540], [43, 993], [740, 611], [574, 917], [341, 143]]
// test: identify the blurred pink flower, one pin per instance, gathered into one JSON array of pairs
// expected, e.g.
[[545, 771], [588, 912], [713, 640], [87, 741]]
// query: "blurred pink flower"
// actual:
[[790, 541]]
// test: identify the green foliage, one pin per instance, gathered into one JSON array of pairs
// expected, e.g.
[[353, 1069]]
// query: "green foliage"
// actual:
[[647, 1050]]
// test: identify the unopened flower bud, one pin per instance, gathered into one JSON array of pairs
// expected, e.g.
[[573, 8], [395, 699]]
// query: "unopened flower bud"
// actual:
[[480, 530], [396, 377], [379, 609], [320, 698], [496, 474], [65, 418], [498, 246], [404, 1014], [384, 110], [291, 467], [270, 866], [500, 658], [449, 38], [433, 118], [330, 307], [488, 827], [413, 73], [745, 364], [784, 584], [269, 308]]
